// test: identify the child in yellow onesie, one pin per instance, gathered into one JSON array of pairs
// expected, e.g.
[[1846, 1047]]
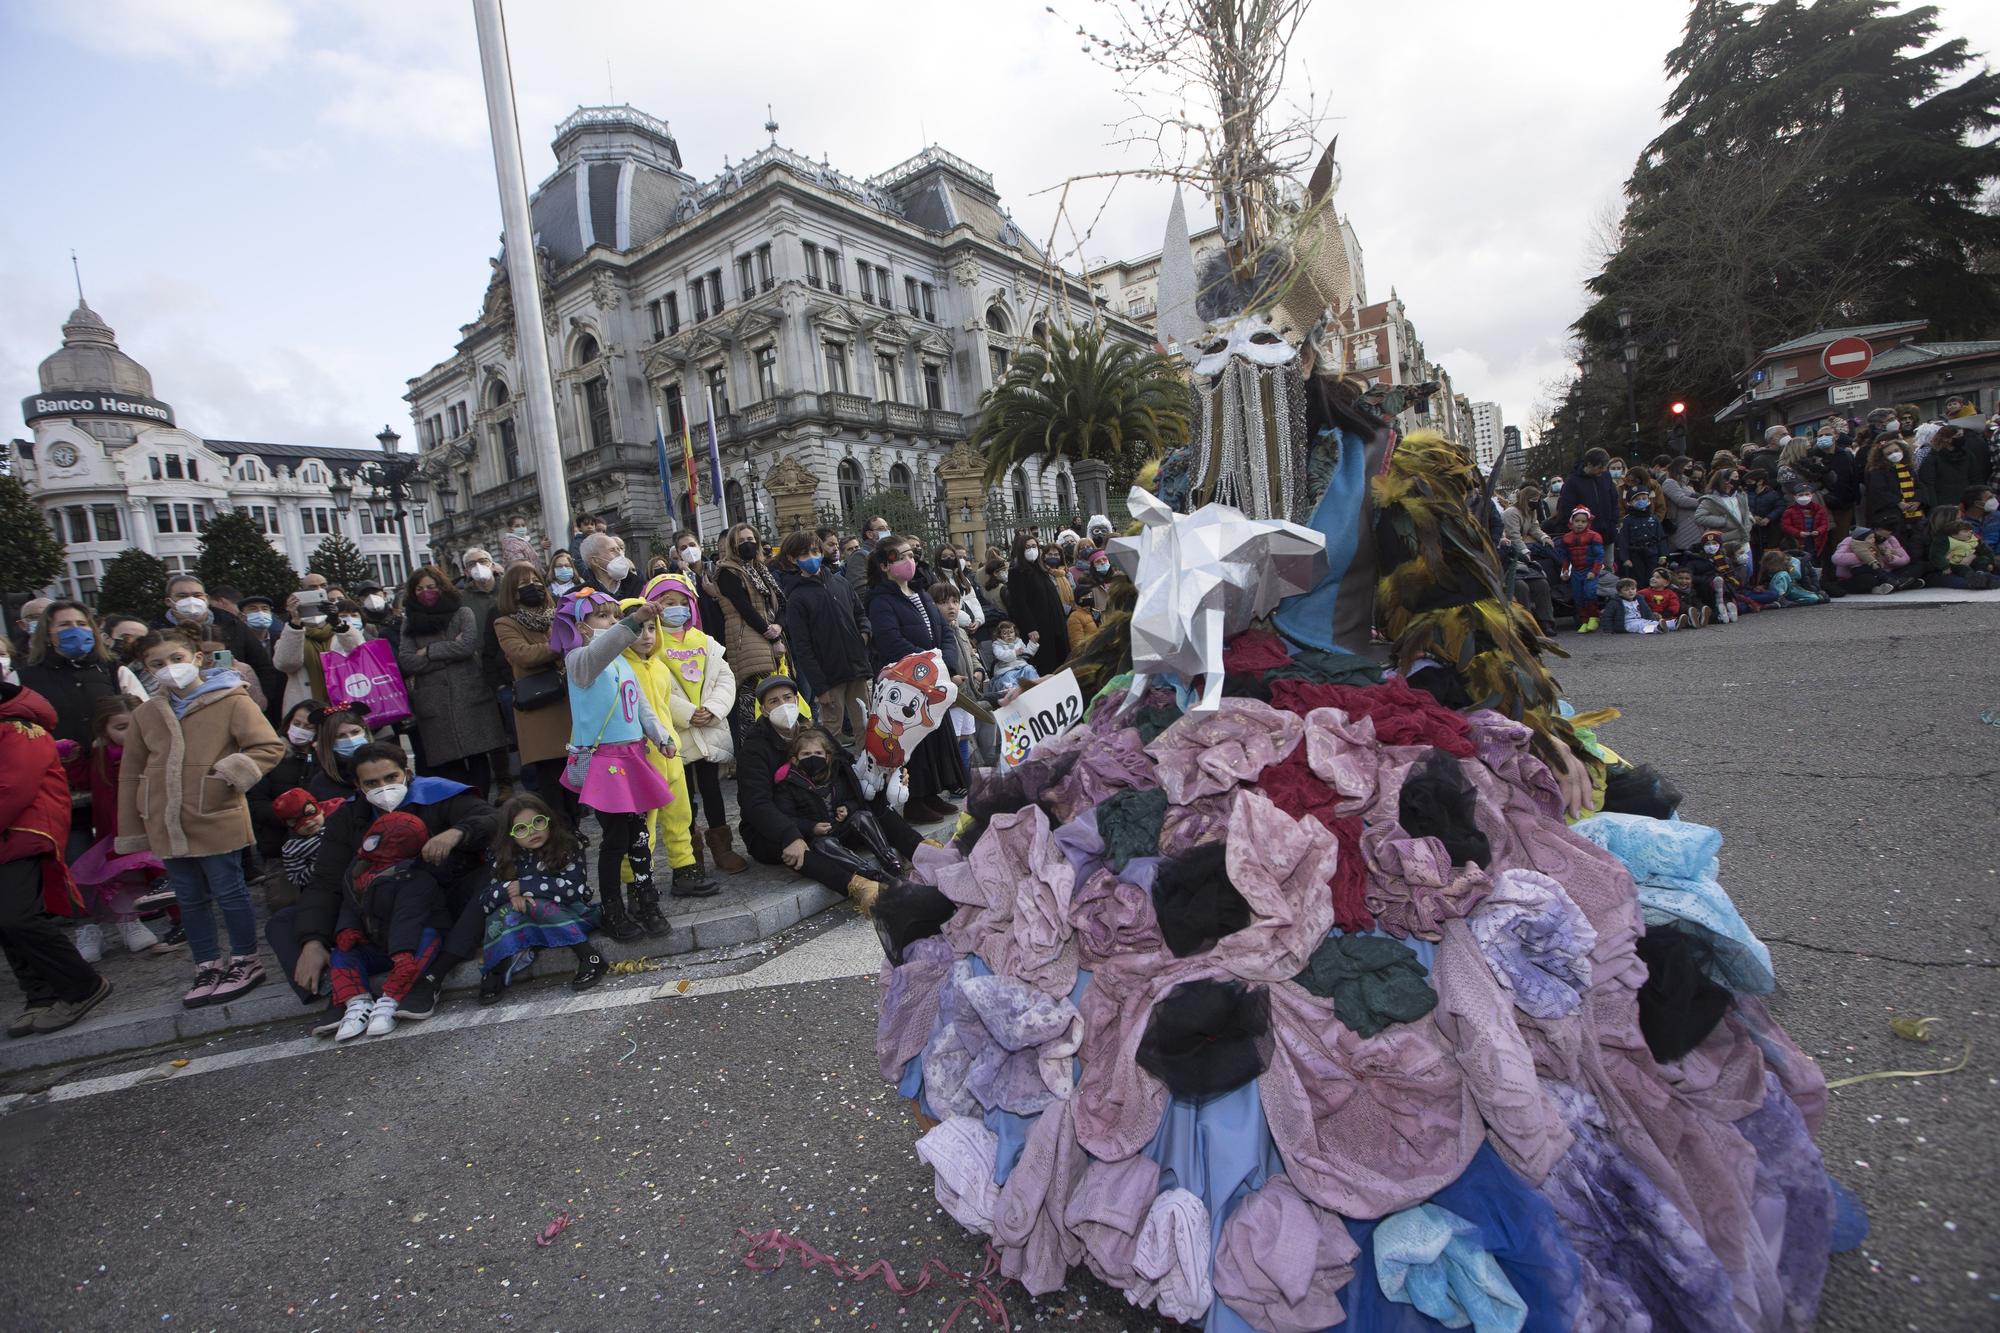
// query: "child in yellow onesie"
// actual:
[[671, 825]]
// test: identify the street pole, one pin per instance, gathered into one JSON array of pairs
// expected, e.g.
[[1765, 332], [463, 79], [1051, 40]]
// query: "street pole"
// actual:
[[518, 235], [1631, 394], [403, 532]]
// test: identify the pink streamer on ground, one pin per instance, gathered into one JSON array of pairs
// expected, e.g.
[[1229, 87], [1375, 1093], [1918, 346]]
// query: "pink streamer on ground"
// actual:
[[983, 1298]]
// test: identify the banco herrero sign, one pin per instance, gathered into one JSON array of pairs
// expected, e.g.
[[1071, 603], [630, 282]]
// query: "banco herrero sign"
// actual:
[[90, 403]]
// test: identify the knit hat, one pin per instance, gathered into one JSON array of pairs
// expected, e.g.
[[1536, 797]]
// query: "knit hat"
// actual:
[[1097, 521], [297, 805], [1860, 533], [1584, 510]]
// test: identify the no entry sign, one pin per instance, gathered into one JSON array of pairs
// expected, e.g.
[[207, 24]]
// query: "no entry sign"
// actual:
[[1847, 358]]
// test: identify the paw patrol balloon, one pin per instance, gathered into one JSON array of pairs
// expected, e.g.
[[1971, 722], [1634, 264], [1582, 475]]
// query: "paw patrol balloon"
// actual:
[[910, 700]]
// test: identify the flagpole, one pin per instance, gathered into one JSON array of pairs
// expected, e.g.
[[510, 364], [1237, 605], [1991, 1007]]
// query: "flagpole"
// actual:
[[714, 457], [666, 468], [518, 236], [692, 488]]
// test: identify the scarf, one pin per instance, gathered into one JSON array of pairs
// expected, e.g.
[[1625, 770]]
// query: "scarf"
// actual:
[[535, 622], [430, 620], [317, 638], [215, 680], [1906, 489]]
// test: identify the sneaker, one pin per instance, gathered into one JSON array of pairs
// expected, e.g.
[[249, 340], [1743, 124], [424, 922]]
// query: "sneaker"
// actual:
[[689, 882], [1902, 585], [354, 1021], [139, 938], [422, 1001], [241, 974], [382, 1018], [25, 1023], [1883, 589], [65, 1012], [1588, 627], [206, 978], [589, 971], [176, 937], [89, 941]]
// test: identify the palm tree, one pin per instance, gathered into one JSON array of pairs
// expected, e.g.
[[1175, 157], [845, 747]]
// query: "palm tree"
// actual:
[[1076, 394]]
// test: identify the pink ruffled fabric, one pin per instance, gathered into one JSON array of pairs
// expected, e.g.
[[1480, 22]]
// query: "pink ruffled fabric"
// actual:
[[1501, 744], [1014, 890], [1206, 754], [1189, 826], [1365, 1126], [1724, 1076], [1002, 1045], [1172, 1259], [1115, 762], [961, 1151], [910, 996], [1113, 917], [1035, 1248], [1283, 1260], [1107, 1211], [1537, 942], [1281, 866], [1798, 1073], [1413, 888], [1118, 1105], [1522, 1119], [1342, 751]]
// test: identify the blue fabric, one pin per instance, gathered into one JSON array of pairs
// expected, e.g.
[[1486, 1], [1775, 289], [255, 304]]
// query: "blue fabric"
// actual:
[[213, 681], [900, 629], [1512, 1222], [1429, 1258], [1307, 617], [1850, 1219], [606, 711], [429, 791]]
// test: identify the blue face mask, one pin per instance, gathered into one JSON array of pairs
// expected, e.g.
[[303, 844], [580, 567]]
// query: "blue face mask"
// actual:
[[1642, 503], [258, 619], [75, 640], [347, 745], [809, 565], [676, 617]]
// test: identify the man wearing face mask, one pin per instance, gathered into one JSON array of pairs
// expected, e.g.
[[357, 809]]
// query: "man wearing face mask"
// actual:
[[608, 569], [187, 605], [374, 609], [461, 826], [260, 617], [828, 652]]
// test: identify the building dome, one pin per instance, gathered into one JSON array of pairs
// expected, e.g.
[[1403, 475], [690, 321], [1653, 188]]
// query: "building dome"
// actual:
[[90, 359]]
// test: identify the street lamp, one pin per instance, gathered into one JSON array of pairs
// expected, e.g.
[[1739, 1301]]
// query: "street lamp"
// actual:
[[392, 482], [1628, 353], [343, 496]]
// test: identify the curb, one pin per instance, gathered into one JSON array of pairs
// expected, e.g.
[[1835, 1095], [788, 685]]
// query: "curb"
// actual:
[[759, 916]]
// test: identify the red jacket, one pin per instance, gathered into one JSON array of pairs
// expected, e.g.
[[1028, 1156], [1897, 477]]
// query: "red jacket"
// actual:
[[34, 795], [1811, 524], [1666, 603]]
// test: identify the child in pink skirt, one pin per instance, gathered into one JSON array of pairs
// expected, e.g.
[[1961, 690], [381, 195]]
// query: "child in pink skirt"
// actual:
[[112, 883], [610, 725]]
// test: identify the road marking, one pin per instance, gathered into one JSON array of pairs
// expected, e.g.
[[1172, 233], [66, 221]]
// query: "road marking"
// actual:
[[848, 950]]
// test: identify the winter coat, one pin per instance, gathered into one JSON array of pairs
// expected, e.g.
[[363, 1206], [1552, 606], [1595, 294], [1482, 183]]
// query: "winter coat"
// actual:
[[396, 908], [251, 648], [300, 767], [183, 784], [440, 804], [1890, 556], [1641, 542], [72, 687], [289, 658], [1683, 500], [903, 627], [749, 606], [456, 715], [541, 732], [1768, 505], [1945, 475], [1843, 478], [1809, 524], [34, 795], [1726, 514], [1082, 627], [806, 805], [698, 676], [763, 823], [1882, 499], [825, 640], [1035, 605], [1612, 618], [1598, 494]]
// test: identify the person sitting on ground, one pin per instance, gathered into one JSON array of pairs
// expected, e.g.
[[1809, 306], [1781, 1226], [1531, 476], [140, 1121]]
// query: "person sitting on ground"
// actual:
[[304, 817], [460, 825], [1666, 603], [1981, 506], [392, 918], [1583, 561], [1698, 610], [769, 833], [1780, 573], [304, 765], [1012, 664], [818, 792], [1629, 613], [1870, 560], [1958, 558], [539, 898], [1719, 577]]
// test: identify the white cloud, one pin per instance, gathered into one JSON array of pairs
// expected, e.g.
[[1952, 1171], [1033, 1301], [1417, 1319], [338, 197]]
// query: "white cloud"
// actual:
[[414, 106], [234, 39]]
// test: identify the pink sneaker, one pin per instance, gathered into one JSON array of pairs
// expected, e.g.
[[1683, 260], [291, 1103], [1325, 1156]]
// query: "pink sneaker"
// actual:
[[206, 978], [242, 973]]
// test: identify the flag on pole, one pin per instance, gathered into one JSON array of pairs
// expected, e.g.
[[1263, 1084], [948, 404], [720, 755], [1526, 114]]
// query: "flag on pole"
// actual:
[[692, 487], [660, 449], [714, 451]]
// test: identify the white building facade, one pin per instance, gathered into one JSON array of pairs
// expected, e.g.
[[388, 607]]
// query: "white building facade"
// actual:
[[1488, 433], [849, 325], [113, 470]]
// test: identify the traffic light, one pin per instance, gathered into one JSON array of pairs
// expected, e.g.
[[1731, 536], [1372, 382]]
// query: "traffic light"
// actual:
[[1679, 409]]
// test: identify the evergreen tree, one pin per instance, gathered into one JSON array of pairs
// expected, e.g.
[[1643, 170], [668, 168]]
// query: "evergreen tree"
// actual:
[[135, 584], [234, 552], [30, 556], [341, 561]]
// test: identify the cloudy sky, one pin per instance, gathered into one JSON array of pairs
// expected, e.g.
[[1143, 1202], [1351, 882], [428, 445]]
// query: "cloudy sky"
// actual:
[[285, 207]]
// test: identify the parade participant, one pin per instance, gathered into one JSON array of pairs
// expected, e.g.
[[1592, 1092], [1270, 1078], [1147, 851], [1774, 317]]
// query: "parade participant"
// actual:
[[702, 701], [457, 718], [539, 898], [906, 621], [671, 826], [194, 751]]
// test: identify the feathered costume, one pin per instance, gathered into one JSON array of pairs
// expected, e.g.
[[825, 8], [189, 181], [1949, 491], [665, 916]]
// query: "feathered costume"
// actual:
[[1298, 1002]]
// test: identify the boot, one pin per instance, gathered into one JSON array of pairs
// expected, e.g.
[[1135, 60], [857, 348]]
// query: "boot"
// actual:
[[862, 892], [726, 859], [617, 924], [646, 911], [869, 829], [590, 967], [692, 882]]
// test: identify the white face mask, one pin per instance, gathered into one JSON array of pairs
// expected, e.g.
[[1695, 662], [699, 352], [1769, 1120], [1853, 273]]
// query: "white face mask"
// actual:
[[690, 556], [1894, 455], [191, 608], [373, 603], [1991, 504], [784, 716], [389, 797], [1710, 547], [314, 620], [619, 567], [1031, 553], [180, 675], [482, 573], [300, 735]]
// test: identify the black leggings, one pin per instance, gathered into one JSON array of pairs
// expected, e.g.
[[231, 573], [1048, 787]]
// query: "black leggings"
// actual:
[[623, 836], [705, 776], [545, 776], [472, 770]]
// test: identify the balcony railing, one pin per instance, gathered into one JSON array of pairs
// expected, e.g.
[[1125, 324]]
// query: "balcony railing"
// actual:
[[902, 416], [762, 418], [848, 407]]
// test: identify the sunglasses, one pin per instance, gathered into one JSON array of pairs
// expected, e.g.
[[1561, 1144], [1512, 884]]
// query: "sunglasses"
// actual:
[[527, 826]]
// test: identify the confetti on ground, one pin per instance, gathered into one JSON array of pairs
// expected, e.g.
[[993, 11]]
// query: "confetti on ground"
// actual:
[[681, 987], [982, 1298], [626, 967]]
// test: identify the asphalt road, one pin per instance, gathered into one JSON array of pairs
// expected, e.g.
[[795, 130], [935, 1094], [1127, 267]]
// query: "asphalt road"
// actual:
[[405, 1182]]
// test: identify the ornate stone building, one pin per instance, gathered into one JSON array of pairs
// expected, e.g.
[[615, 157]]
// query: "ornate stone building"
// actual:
[[843, 329]]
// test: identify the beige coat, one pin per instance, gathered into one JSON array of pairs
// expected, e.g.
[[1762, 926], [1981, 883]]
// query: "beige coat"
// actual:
[[718, 696], [182, 781], [288, 654], [751, 655], [542, 733]]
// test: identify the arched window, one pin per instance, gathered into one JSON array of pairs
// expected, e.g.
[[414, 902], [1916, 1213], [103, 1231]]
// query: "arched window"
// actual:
[[496, 394], [1041, 329], [996, 318], [1065, 497], [849, 474], [732, 500], [586, 350], [312, 475], [902, 483], [1020, 494]]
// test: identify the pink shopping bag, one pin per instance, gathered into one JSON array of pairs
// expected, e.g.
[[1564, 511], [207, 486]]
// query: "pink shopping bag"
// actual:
[[368, 675]]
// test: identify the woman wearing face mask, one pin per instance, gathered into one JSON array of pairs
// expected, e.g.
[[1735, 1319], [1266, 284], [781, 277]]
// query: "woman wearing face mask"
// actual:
[[297, 652], [955, 568], [1890, 496], [607, 568], [829, 656], [319, 742], [753, 608], [1036, 601], [905, 621], [68, 665], [1725, 509], [457, 717], [521, 627]]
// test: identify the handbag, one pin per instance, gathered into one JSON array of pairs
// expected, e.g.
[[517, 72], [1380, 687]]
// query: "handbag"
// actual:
[[576, 768], [540, 689], [367, 675]]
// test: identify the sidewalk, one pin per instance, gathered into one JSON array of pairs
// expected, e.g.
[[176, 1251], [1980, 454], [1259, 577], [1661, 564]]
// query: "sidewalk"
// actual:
[[1919, 597]]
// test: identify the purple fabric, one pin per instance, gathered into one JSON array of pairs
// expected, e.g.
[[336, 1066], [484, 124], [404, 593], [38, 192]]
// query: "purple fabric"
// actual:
[[1342, 751], [1014, 892], [1413, 887], [960, 1151], [910, 996], [1794, 1204], [1000, 1045], [1642, 1259], [1113, 916], [1799, 1073], [1048, 763], [1536, 941], [1173, 1258], [1365, 1126], [1281, 866], [1106, 1212], [1207, 754], [1502, 746], [1189, 826], [1473, 1014], [1115, 761], [1035, 1248], [1283, 1260], [1081, 845], [1117, 1104]]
